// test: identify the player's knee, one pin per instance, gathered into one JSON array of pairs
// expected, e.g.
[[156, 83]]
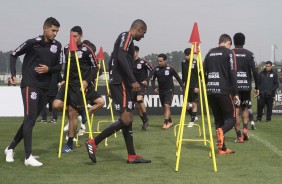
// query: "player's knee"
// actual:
[[57, 105], [100, 102]]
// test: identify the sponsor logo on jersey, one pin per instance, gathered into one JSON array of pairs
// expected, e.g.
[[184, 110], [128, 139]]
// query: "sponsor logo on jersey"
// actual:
[[242, 81], [213, 75], [213, 84], [216, 54], [271, 75], [122, 39], [240, 55], [117, 106], [141, 61], [241, 74], [38, 38]]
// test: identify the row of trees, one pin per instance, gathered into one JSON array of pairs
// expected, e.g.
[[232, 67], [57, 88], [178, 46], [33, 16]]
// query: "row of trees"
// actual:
[[174, 59]]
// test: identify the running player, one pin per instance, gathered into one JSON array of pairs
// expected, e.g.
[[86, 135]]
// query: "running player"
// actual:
[[42, 58], [87, 63], [246, 66], [193, 87], [164, 74], [122, 83], [220, 72], [140, 71]]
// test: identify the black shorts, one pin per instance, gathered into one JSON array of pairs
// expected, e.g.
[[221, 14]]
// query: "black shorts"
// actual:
[[166, 97], [245, 98], [192, 96], [75, 96], [122, 96], [222, 107]]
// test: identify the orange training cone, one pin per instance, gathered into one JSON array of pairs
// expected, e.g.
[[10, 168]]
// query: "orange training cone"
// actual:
[[100, 55], [72, 45], [195, 37]]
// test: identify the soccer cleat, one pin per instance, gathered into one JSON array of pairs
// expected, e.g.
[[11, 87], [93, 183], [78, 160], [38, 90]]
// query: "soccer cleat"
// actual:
[[196, 118], [31, 161], [169, 124], [9, 155], [226, 152], [165, 126], [91, 149], [66, 128], [135, 159], [53, 121], [43, 121], [220, 138], [239, 140], [144, 126], [190, 124], [245, 134], [67, 149]]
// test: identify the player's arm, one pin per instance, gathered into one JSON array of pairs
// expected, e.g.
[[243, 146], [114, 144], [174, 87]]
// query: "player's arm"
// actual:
[[184, 72], [151, 71], [233, 72], [276, 83], [254, 70], [153, 81], [177, 78], [22, 49]]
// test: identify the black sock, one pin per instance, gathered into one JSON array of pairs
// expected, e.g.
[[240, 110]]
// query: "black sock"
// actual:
[[189, 111], [128, 138], [165, 121], [193, 116], [142, 118], [238, 133], [145, 118], [70, 142], [228, 125], [245, 125], [113, 128], [27, 155], [169, 119]]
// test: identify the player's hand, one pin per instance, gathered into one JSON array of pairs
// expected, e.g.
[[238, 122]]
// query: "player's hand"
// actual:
[[135, 86], [41, 69], [180, 88], [144, 83], [85, 84], [196, 90], [13, 80], [156, 90], [110, 95], [256, 93], [237, 100]]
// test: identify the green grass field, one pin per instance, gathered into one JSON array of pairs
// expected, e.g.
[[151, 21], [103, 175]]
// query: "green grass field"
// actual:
[[258, 160]]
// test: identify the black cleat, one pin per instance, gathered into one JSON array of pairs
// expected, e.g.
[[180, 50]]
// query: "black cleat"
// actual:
[[144, 126], [91, 149], [135, 159]]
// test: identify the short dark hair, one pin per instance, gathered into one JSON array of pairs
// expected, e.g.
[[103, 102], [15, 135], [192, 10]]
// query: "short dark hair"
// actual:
[[138, 23], [136, 48], [90, 44], [162, 56], [77, 29], [268, 63], [187, 51], [51, 22], [224, 38], [239, 39]]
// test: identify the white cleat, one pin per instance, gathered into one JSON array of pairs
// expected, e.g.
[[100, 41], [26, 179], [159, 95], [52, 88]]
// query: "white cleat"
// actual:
[[190, 124], [31, 161], [9, 155], [196, 118]]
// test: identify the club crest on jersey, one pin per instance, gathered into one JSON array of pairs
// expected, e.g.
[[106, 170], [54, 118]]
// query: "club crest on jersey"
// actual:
[[33, 95], [84, 49], [79, 54], [271, 75], [157, 69], [54, 48], [117, 106], [166, 72], [139, 66], [130, 105]]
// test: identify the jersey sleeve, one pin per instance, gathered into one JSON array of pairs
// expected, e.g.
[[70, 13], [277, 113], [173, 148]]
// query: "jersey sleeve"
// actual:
[[254, 69], [22, 49], [177, 77], [233, 72], [125, 41]]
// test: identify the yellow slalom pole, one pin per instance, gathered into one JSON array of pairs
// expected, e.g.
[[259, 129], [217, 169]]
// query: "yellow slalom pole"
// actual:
[[201, 97], [83, 93], [208, 114], [65, 104], [183, 111]]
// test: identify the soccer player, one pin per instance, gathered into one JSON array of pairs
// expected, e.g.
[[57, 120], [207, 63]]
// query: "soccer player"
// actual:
[[140, 71], [193, 87], [87, 63], [220, 74], [122, 83], [246, 67], [164, 74], [267, 84], [42, 58]]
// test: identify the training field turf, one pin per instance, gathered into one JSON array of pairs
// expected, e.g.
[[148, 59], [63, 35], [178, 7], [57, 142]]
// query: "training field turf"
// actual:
[[258, 160]]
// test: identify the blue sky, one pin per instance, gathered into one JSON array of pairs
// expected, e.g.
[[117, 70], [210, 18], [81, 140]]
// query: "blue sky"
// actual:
[[169, 22]]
